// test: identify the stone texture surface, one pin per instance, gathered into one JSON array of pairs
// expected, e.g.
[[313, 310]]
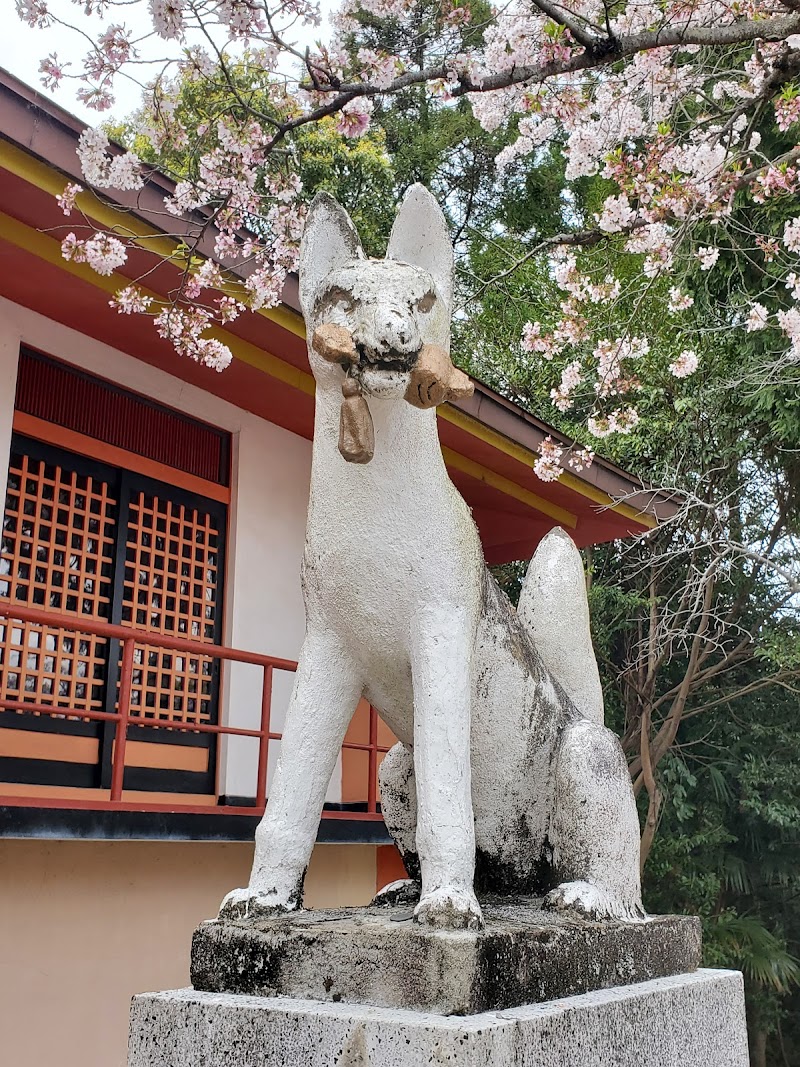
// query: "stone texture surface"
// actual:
[[377, 956], [694, 1020]]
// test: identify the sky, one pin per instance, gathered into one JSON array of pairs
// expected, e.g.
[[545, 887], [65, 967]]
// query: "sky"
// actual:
[[23, 48]]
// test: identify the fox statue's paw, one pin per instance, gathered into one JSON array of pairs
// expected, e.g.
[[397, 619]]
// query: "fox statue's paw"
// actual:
[[448, 908], [403, 891], [591, 901], [249, 904]]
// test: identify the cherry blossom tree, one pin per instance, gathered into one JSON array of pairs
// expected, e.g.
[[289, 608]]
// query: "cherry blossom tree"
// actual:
[[688, 111]]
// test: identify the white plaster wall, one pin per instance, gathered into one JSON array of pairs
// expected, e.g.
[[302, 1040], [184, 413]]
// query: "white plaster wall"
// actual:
[[271, 472]]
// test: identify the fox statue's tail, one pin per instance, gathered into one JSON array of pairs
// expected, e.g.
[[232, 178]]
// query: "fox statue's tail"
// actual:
[[554, 610]]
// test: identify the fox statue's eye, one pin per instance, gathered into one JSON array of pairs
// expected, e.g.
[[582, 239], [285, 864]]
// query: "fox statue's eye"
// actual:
[[426, 302], [336, 298]]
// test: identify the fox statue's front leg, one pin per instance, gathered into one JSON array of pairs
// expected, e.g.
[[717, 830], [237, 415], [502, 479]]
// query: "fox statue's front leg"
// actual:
[[445, 833], [326, 691]]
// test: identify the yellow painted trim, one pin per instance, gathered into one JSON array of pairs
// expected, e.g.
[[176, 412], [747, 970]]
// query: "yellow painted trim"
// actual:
[[524, 455], [44, 177], [30, 744], [505, 485], [285, 317], [49, 249], [26, 166]]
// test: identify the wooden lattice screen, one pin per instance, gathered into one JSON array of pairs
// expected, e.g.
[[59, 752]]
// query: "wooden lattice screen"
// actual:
[[89, 541], [56, 552], [87, 536], [172, 587]]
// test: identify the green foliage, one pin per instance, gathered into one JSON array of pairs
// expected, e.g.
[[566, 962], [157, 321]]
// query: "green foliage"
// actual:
[[729, 845], [745, 940], [359, 174]]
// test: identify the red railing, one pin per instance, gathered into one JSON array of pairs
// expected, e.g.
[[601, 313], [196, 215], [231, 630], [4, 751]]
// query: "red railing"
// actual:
[[123, 718]]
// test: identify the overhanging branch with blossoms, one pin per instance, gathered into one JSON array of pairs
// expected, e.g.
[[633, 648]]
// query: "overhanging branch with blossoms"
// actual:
[[688, 108]]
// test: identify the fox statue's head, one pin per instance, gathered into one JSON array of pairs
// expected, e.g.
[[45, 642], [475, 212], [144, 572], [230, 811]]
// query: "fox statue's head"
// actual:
[[369, 320]]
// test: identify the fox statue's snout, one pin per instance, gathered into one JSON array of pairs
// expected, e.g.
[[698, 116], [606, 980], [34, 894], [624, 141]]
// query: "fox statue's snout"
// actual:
[[385, 339], [425, 376], [388, 336]]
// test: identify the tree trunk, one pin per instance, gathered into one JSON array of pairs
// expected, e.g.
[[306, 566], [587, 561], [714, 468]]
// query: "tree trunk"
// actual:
[[758, 1048]]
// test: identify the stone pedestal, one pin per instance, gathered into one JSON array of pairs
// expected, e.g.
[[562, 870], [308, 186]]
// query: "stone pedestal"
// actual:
[[688, 1020], [367, 987], [378, 956]]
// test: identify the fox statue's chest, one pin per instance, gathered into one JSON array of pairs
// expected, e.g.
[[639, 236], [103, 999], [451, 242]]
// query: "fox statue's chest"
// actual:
[[373, 560]]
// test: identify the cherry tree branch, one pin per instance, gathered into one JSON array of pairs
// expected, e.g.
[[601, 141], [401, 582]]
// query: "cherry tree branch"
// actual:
[[566, 18], [604, 52]]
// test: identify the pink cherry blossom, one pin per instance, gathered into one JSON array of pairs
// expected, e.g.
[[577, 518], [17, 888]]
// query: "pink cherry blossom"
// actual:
[[686, 364], [791, 235], [354, 118], [184, 328], [548, 466], [787, 112], [34, 12], [52, 71], [528, 72], [130, 300], [580, 458], [708, 257], [104, 253], [534, 340], [378, 68], [678, 300], [72, 249], [97, 97], [789, 322], [168, 18], [571, 378], [769, 247], [624, 420], [66, 199], [617, 214], [757, 319], [793, 284], [105, 169]]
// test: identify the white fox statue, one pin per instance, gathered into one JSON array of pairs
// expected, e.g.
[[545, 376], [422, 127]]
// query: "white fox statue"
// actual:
[[504, 779]]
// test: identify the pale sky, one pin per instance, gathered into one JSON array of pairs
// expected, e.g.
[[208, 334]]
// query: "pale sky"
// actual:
[[23, 48]]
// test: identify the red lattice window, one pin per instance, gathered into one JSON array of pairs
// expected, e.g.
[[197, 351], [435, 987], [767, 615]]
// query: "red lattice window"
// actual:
[[88, 540], [66, 396], [172, 586], [56, 552]]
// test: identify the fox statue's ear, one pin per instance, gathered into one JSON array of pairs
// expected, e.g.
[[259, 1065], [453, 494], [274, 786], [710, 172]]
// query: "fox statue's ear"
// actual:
[[329, 241], [420, 236]]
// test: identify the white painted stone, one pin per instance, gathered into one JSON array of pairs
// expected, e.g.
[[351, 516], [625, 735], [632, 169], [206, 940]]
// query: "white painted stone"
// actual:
[[692, 1020], [400, 608]]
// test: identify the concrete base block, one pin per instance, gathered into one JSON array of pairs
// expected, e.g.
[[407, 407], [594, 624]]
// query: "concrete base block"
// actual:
[[689, 1020], [378, 956]]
